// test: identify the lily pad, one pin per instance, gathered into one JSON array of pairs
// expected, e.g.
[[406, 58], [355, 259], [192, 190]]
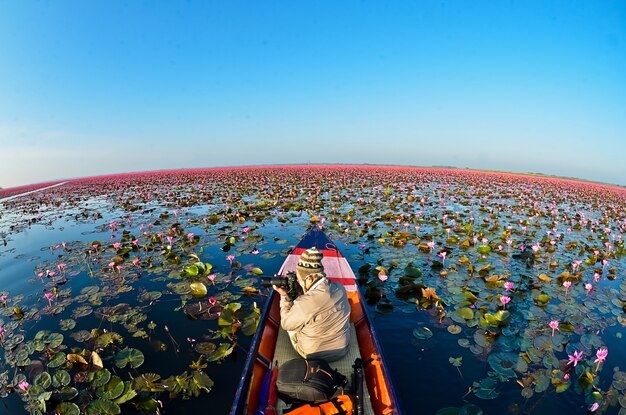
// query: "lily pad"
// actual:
[[100, 378], [198, 289], [112, 389], [466, 313], [81, 335], [67, 324], [422, 333], [67, 393], [202, 381], [67, 408], [61, 378], [503, 363], [204, 347], [129, 356], [103, 407], [128, 393], [454, 329], [43, 379], [220, 353], [57, 360]]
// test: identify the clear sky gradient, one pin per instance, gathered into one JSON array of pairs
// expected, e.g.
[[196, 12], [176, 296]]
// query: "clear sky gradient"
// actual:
[[98, 87]]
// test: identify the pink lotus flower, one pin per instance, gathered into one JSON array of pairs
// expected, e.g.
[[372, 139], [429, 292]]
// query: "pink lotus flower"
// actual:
[[111, 264], [594, 407], [601, 355], [213, 301], [61, 267], [136, 242], [3, 298], [230, 259], [574, 359], [382, 277], [169, 240], [255, 251], [596, 277], [117, 245], [190, 236], [431, 244], [23, 386], [588, 287], [504, 299], [567, 284], [508, 286], [442, 255], [554, 325], [49, 298], [212, 278], [136, 262]]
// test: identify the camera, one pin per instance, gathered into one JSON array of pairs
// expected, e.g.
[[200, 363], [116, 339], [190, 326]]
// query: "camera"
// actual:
[[289, 282]]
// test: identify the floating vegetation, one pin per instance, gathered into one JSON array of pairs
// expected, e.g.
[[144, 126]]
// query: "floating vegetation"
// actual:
[[525, 274]]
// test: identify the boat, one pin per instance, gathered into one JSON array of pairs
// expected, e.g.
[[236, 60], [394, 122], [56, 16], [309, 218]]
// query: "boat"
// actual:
[[271, 345]]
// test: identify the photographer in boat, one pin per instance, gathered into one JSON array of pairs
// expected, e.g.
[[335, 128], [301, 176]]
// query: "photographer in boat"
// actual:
[[318, 320]]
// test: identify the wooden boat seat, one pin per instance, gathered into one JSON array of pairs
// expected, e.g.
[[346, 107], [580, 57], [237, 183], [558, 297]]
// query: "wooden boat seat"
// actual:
[[284, 352]]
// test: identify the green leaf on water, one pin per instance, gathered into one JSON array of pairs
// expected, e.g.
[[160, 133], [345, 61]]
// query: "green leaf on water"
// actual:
[[422, 333], [108, 338], [486, 388], [454, 329], [43, 379], [67, 408], [100, 378], [586, 380], [227, 316], [190, 271], [57, 360], [67, 394], [112, 389], [203, 381], [128, 393], [129, 356], [67, 324], [466, 313], [484, 249], [61, 378], [503, 363], [221, 352], [102, 407], [198, 289]]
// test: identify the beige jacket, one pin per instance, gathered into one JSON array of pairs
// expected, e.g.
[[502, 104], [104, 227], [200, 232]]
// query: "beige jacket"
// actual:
[[320, 317]]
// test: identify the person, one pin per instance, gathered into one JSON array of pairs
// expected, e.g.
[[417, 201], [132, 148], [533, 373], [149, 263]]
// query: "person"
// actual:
[[318, 321]]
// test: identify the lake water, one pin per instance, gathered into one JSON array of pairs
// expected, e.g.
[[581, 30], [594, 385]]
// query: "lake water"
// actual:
[[514, 365]]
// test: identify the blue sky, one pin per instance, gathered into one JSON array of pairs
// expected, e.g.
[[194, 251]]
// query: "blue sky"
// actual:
[[100, 87]]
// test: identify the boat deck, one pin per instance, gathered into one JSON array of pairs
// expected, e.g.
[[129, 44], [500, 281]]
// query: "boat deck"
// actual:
[[285, 351]]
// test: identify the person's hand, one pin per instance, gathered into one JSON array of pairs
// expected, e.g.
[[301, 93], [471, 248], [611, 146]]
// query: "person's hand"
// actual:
[[280, 291]]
